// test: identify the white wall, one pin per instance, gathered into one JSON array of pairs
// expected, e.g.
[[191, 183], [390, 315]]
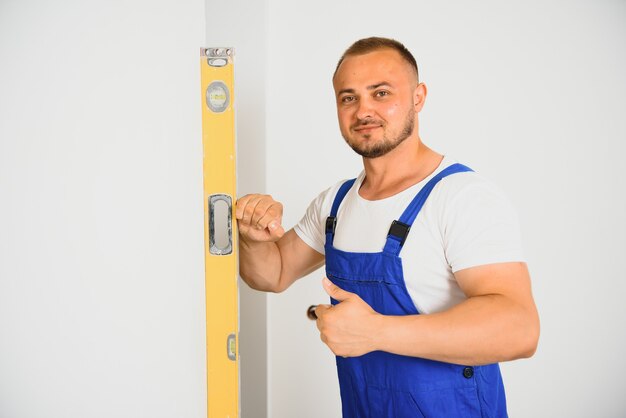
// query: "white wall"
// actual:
[[101, 243], [528, 93]]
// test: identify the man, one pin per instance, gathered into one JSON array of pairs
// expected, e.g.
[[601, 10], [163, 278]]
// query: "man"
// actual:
[[428, 286]]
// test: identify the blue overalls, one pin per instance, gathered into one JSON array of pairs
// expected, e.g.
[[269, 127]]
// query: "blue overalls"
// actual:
[[385, 385]]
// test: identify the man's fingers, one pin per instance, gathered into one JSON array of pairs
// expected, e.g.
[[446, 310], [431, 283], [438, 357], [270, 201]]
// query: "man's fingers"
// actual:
[[241, 205], [270, 220], [258, 210], [265, 211], [253, 209], [250, 209], [334, 291], [276, 230], [244, 204], [259, 218], [321, 309]]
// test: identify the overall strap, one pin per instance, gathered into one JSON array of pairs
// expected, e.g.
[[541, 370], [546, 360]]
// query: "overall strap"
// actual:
[[400, 229], [331, 221]]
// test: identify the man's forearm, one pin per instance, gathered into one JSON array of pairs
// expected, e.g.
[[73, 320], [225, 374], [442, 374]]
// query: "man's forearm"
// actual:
[[481, 330], [497, 322], [260, 265]]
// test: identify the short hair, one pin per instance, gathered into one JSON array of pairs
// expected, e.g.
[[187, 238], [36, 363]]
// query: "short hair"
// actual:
[[374, 43]]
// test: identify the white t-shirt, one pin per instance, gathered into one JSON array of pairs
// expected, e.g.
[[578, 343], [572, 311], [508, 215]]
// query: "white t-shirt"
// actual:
[[465, 222]]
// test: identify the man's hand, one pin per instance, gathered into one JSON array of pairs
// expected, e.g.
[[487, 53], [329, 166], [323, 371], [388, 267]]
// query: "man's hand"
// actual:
[[259, 218], [270, 259], [350, 327]]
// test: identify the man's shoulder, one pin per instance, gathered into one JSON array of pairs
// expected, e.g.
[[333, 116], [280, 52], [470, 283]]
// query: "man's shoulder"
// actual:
[[460, 180], [467, 187]]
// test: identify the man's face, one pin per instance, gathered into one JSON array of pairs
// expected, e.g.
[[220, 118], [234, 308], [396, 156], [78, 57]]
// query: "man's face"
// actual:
[[376, 101]]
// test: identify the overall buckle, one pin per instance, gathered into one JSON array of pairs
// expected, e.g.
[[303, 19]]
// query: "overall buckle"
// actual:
[[399, 230], [331, 223]]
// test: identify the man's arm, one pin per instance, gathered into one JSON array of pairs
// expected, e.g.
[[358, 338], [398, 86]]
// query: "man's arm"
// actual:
[[270, 259], [498, 322]]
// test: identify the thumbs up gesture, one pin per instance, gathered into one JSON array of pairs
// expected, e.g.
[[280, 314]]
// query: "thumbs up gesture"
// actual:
[[350, 327]]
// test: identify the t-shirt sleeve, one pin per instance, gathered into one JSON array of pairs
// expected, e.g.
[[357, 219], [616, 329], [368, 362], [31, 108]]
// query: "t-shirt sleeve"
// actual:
[[480, 227], [310, 229]]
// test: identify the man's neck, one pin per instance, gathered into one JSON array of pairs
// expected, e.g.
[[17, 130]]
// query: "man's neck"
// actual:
[[408, 164]]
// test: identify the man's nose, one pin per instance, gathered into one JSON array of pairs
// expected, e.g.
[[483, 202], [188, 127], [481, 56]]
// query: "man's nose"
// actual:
[[365, 109]]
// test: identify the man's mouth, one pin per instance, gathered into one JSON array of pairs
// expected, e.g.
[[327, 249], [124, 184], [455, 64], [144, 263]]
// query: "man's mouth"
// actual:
[[366, 128]]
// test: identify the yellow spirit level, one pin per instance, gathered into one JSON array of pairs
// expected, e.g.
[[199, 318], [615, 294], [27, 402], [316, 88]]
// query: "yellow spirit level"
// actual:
[[222, 320]]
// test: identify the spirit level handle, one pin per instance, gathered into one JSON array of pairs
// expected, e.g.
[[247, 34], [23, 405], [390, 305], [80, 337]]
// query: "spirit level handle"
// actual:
[[220, 224]]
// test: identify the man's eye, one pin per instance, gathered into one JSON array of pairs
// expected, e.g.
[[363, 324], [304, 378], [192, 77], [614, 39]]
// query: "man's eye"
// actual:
[[382, 93], [347, 99]]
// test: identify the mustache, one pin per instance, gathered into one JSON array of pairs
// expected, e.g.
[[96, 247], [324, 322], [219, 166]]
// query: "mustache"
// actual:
[[366, 122]]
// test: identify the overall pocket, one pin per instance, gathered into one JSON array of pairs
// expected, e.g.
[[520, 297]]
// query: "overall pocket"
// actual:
[[387, 403], [452, 402], [384, 298]]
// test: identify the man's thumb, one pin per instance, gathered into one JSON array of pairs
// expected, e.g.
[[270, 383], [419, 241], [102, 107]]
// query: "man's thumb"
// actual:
[[335, 291], [276, 229]]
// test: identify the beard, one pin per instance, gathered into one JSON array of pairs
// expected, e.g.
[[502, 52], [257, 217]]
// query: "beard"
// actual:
[[387, 144]]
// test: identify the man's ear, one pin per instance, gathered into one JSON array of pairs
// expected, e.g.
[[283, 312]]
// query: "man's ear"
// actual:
[[419, 96]]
